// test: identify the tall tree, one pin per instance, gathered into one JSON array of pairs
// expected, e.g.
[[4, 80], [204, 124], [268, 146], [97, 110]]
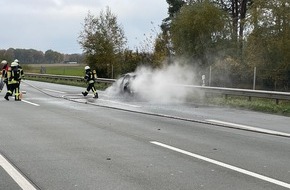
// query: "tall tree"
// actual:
[[268, 45], [197, 30], [53, 56], [163, 42], [237, 9], [103, 42]]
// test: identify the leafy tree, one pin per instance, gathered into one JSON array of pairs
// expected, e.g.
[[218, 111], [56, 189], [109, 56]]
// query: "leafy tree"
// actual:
[[162, 50], [268, 45], [25, 55], [103, 42], [8, 55], [197, 31], [173, 8], [163, 44], [131, 61], [53, 56], [237, 9], [32, 56]]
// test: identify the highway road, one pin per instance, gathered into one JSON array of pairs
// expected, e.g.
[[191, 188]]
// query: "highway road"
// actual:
[[59, 140]]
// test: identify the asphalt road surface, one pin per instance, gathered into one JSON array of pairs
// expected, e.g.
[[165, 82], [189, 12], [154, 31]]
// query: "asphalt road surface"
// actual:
[[57, 139]]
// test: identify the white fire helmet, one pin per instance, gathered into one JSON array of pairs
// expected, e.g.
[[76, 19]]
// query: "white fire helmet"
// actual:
[[4, 62], [14, 64], [16, 60], [87, 67]]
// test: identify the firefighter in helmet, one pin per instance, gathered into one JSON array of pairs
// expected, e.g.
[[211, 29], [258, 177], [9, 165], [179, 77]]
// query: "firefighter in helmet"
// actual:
[[20, 69], [13, 77], [90, 78], [21, 76]]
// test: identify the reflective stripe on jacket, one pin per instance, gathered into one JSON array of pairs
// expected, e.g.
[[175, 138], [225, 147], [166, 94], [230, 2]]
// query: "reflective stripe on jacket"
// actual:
[[13, 75]]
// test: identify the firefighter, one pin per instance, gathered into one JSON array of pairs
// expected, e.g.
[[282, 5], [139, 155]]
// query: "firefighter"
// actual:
[[21, 73], [90, 78], [13, 77], [4, 72]]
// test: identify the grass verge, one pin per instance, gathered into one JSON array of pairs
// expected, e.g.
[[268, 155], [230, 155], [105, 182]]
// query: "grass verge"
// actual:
[[99, 86], [256, 104]]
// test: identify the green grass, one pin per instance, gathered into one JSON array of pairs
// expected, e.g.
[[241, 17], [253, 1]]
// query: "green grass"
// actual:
[[56, 69], [71, 71], [256, 104]]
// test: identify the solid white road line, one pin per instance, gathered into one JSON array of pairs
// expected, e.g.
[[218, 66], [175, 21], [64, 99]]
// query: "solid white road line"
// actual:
[[124, 104], [30, 103], [249, 128], [15, 175], [240, 170]]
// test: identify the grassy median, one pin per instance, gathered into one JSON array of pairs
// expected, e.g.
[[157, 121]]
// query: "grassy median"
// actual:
[[255, 104]]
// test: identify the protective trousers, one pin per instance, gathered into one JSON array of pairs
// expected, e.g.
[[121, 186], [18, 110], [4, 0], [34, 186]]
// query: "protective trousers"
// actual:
[[91, 86], [13, 88]]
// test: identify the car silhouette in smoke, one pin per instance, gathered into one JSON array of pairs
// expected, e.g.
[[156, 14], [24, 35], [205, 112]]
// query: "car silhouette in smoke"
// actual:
[[125, 84], [134, 83]]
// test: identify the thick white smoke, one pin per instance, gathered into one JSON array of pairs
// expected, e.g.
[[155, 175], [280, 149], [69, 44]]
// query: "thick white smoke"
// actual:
[[164, 85]]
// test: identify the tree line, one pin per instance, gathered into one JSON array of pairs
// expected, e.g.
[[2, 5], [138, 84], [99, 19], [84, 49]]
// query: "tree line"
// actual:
[[32, 56], [227, 37]]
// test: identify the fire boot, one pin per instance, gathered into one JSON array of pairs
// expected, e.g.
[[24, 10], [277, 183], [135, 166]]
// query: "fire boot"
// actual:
[[6, 97]]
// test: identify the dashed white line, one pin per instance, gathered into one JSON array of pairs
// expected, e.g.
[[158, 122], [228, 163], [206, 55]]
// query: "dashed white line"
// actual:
[[15, 175], [234, 168], [239, 126], [30, 103]]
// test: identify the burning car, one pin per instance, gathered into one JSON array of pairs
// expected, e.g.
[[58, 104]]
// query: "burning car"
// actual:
[[126, 83]]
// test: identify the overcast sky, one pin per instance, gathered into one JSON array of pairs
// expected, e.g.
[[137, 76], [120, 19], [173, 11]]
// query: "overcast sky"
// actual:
[[56, 24]]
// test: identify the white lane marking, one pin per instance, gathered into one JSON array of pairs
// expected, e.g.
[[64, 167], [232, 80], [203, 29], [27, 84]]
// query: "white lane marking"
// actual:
[[54, 91], [249, 128], [30, 103], [240, 170], [115, 102], [15, 175]]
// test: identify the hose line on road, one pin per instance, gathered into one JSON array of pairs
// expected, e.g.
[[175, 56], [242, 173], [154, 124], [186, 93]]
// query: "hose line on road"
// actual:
[[40, 90]]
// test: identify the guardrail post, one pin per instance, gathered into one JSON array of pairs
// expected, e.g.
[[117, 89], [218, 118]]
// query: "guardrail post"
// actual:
[[209, 80], [254, 80], [203, 80]]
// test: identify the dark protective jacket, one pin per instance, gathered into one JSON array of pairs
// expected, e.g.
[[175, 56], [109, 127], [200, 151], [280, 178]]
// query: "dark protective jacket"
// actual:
[[20, 72], [13, 75], [89, 77]]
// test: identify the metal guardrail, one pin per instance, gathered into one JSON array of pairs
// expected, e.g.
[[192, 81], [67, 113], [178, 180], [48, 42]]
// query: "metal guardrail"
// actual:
[[244, 92], [212, 90], [67, 78]]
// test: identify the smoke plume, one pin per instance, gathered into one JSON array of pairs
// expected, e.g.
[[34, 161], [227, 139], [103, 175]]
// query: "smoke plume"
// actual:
[[168, 84]]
